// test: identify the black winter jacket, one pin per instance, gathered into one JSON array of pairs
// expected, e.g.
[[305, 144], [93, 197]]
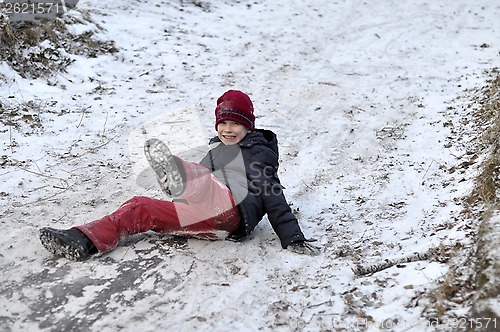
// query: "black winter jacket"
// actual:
[[249, 169]]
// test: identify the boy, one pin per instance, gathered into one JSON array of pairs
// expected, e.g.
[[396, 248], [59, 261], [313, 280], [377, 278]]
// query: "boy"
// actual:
[[224, 196]]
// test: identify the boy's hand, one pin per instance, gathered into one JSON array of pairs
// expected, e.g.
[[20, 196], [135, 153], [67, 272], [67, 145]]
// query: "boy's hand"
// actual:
[[304, 248]]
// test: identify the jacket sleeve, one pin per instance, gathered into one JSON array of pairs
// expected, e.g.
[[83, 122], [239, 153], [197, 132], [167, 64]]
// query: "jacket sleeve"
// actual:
[[265, 182]]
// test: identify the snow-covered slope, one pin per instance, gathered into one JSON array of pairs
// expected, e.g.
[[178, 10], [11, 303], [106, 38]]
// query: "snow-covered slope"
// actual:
[[359, 93]]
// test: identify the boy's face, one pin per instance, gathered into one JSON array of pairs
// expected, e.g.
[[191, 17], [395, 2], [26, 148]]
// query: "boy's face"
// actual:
[[231, 132]]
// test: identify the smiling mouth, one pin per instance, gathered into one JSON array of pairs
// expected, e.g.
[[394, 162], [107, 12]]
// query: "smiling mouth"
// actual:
[[229, 137]]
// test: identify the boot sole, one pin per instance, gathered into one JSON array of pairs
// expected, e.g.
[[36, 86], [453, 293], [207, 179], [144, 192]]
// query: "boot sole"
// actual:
[[163, 163], [59, 247]]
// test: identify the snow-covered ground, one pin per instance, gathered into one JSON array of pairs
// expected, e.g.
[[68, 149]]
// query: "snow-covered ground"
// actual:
[[361, 95]]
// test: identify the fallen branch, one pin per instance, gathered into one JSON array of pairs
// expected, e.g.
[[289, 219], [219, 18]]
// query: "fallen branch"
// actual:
[[361, 270]]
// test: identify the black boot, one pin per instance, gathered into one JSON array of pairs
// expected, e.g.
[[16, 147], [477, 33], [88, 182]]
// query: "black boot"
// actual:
[[71, 244]]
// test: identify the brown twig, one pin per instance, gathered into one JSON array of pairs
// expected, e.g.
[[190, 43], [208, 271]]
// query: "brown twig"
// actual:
[[361, 270]]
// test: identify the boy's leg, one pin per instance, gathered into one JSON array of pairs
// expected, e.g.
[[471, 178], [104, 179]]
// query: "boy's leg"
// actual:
[[142, 214], [137, 215], [204, 191], [206, 209], [215, 227]]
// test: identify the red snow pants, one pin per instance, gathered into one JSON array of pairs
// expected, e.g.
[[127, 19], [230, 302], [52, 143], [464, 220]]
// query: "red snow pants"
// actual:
[[205, 210]]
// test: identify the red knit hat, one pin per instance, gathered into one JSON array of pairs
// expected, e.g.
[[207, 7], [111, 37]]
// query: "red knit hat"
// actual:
[[235, 106]]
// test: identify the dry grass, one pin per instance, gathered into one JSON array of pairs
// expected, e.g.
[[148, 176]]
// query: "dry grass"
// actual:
[[466, 281], [487, 194], [42, 50], [487, 119], [22, 48]]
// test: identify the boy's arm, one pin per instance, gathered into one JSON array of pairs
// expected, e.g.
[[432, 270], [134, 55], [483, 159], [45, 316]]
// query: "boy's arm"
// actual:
[[283, 221]]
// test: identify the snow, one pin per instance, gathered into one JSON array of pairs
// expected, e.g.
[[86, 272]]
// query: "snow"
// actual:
[[358, 93]]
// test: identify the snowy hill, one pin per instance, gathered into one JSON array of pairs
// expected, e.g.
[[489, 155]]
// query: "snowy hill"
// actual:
[[363, 97]]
